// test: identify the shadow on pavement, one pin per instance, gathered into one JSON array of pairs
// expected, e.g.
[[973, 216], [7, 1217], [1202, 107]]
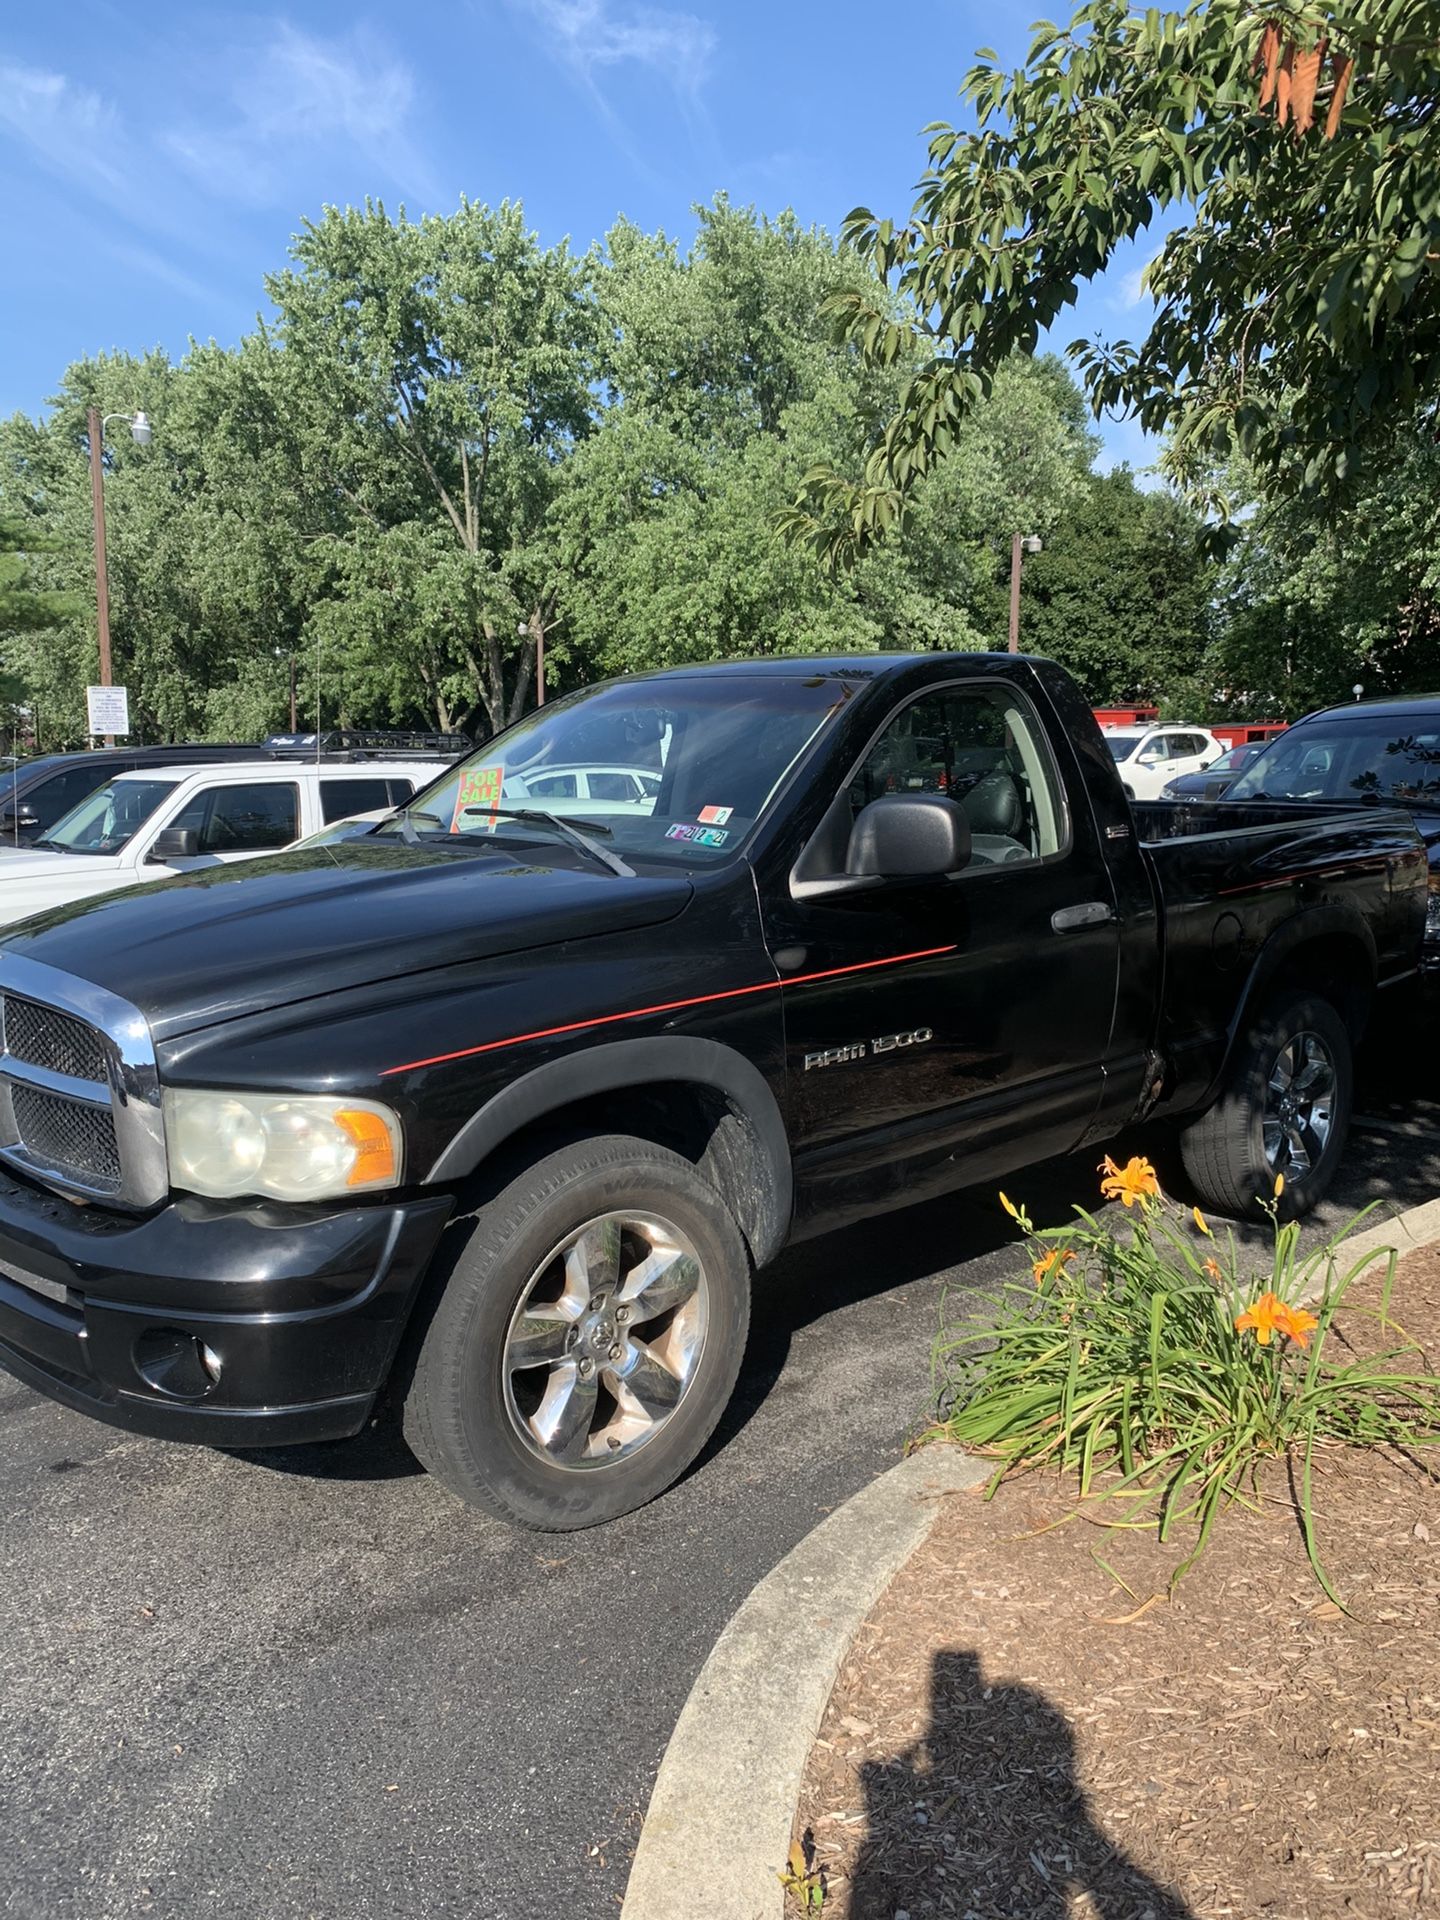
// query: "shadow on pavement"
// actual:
[[989, 1794]]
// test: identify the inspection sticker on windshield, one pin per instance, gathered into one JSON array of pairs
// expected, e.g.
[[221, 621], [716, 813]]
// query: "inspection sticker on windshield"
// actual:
[[715, 816], [479, 787], [702, 836]]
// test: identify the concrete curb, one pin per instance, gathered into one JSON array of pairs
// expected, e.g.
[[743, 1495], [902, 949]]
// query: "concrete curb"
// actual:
[[718, 1826], [1405, 1232]]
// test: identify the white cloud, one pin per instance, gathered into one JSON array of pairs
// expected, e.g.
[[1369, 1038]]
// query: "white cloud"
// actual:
[[297, 91], [69, 128], [591, 34]]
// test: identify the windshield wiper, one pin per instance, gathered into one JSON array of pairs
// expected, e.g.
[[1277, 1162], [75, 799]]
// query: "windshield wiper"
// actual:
[[567, 829], [407, 831]]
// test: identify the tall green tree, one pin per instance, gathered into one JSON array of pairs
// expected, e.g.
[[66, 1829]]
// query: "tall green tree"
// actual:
[[1298, 304], [1121, 593], [436, 375]]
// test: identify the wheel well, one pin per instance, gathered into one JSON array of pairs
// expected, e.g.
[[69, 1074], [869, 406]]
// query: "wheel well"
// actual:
[[1336, 966], [694, 1120]]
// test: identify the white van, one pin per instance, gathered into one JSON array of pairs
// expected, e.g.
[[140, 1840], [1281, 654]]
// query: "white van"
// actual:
[[161, 820]]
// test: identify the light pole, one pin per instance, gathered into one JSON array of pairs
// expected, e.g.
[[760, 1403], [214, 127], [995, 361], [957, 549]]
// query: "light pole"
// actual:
[[140, 434], [280, 655], [1019, 543]]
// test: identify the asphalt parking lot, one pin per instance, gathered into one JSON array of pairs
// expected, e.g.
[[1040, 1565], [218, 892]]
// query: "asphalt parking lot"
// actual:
[[311, 1684]]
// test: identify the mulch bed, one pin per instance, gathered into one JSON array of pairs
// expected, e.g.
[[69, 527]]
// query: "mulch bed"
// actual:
[[1014, 1736]]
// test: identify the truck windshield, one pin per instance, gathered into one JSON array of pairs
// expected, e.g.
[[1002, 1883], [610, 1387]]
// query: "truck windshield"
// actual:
[[676, 769], [1387, 758], [108, 819]]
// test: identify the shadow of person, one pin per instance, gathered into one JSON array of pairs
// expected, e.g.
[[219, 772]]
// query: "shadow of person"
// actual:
[[1003, 1827]]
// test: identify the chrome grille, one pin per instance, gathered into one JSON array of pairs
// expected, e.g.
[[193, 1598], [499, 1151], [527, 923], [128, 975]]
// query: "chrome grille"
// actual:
[[68, 1135], [44, 1038], [79, 1091]]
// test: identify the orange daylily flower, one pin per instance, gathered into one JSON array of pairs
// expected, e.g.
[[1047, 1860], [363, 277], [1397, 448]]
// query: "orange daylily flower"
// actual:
[[1200, 1222], [1134, 1181], [1264, 1319], [1271, 1315], [1212, 1267], [1052, 1262], [1299, 1325]]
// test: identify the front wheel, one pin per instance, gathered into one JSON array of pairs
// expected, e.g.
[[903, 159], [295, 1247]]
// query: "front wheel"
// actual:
[[587, 1340], [1285, 1110]]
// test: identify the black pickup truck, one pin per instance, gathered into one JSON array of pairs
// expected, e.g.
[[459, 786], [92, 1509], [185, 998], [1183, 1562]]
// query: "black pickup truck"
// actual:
[[496, 1110]]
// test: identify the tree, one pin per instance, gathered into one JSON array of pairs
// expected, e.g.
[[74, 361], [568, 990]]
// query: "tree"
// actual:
[[1310, 605], [24, 606], [723, 388], [436, 375], [1121, 594], [1298, 309]]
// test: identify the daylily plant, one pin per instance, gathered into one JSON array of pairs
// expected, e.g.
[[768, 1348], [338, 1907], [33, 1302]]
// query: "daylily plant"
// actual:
[[1146, 1360]]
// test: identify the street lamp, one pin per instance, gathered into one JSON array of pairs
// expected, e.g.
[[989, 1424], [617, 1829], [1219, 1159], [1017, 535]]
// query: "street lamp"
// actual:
[[141, 435], [1357, 689], [1019, 543]]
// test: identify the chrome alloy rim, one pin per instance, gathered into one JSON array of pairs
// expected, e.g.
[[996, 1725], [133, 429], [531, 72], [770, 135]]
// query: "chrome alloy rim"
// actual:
[[606, 1340], [1299, 1105]]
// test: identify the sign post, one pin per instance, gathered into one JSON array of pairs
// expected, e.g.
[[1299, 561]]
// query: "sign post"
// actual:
[[107, 711]]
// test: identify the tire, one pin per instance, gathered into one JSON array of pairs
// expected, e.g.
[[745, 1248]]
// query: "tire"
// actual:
[[1228, 1158], [530, 1400]]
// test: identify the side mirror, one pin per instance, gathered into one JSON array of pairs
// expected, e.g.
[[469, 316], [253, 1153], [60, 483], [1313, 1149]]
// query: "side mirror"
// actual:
[[908, 836], [24, 820], [173, 843]]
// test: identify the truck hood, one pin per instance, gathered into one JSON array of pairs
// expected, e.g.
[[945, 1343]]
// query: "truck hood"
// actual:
[[32, 880], [211, 946]]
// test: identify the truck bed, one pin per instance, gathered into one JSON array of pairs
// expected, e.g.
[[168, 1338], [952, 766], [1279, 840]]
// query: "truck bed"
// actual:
[[1226, 876]]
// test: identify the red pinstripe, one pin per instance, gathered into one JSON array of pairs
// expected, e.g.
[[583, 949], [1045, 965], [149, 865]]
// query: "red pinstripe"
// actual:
[[668, 1006]]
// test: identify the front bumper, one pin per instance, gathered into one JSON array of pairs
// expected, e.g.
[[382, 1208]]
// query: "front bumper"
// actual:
[[301, 1307]]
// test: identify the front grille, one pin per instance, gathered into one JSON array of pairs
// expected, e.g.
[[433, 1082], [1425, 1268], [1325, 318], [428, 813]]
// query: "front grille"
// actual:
[[43, 1037], [79, 1092], [69, 1135]]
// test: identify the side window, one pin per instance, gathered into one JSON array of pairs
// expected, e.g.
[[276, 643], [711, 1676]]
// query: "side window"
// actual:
[[1155, 749], [340, 798], [612, 786], [398, 791], [54, 798], [243, 819], [553, 786], [983, 747]]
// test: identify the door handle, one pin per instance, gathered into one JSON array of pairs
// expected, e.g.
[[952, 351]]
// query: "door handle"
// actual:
[[1094, 913]]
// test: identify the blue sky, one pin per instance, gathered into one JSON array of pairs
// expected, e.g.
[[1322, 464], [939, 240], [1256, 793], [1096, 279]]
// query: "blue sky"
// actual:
[[155, 158]]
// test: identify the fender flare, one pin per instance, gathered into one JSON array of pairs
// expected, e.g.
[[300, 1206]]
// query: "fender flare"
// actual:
[[617, 1066], [1309, 924]]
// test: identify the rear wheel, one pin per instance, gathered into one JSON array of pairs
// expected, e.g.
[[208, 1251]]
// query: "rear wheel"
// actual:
[[587, 1339], [1285, 1110]]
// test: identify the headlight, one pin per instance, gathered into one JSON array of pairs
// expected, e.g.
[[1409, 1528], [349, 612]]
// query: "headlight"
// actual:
[[293, 1146]]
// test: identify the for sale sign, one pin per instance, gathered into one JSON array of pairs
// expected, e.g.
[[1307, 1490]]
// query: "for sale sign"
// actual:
[[480, 787], [108, 709]]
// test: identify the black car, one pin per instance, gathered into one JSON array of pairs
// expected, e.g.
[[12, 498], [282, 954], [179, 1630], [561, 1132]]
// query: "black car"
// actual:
[[1211, 781], [34, 794], [494, 1111], [1376, 752]]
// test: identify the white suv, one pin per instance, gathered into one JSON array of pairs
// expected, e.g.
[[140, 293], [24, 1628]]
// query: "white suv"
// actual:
[[162, 820], [1148, 758]]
